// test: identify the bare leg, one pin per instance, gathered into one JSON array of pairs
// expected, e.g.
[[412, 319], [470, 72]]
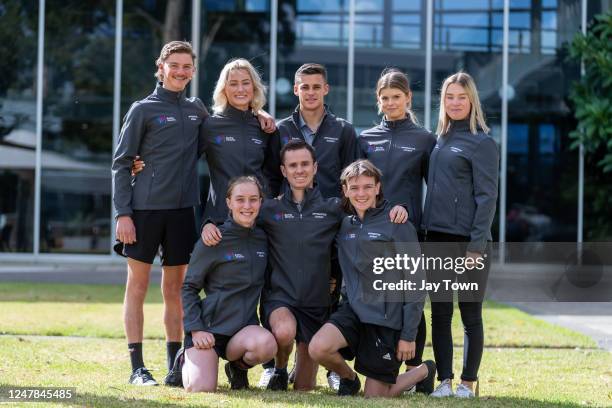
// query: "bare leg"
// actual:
[[172, 281], [406, 380], [305, 369], [375, 388], [283, 325], [135, 293], [323, 349], [253, 344], [200, 370]]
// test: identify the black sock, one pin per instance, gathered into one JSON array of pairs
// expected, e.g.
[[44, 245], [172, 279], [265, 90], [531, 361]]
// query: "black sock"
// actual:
[[268, 364], [281, 370], [136, 355], [172, 347]]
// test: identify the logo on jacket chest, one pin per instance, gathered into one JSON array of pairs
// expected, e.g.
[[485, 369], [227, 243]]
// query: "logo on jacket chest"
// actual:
[[455, 149], [349, 236], [280, 216], [163, 119], [261, 254], [319, 215], [232, 256], [374, 235], [330, 139], [223, 139], [408, 149]]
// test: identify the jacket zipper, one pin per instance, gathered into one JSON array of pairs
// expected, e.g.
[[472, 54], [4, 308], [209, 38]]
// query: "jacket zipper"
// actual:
[[182, 152]]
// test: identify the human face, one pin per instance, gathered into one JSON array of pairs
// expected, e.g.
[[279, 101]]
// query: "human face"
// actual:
[[393, 102], [178, 70], [311, 91], [456, 102], [244, 203], [239, 89], [361, 192], [299, 169]]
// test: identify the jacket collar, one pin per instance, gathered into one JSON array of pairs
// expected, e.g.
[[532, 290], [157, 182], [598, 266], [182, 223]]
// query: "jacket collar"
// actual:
[[309, 195], [296, 117], [167, 95], [236, 228], [460, 125], [396, 124], [370, 213], [237, 114]]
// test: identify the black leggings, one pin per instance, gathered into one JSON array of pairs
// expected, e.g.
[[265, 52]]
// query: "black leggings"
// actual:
[[419, 343], [470, 307]]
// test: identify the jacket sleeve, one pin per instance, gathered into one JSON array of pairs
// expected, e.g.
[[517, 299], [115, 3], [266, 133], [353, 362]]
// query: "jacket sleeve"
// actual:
[[202, 262], [485, 174], [132, 133], [202, 140], [349, 150], [431, 143], [362, 147], [407, 242], [272, 163]]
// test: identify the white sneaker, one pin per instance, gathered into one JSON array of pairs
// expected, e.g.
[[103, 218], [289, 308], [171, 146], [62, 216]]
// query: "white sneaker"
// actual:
[[410, 390], [333, 379], [265, 377], [444, 389], [464, 391]]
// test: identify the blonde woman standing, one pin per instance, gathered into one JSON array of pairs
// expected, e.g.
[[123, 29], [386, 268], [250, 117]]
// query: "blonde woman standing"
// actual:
[[232, 139], [459, 210]]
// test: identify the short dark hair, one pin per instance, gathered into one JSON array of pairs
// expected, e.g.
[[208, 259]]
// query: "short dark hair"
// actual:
[[296, 144], [310, 69]]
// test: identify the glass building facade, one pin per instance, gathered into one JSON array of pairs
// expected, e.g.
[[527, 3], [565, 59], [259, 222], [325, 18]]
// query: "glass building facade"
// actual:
[[73, 68]]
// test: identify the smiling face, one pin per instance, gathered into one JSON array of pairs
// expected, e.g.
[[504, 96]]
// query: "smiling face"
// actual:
[[299, 168], [239, 89], [362, 192], [311, 91], [244, 204], [393, 102], [456, 102], [177, 70]]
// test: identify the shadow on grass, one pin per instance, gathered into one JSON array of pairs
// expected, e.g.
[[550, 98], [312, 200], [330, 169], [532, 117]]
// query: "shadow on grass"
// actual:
[[261, 398]]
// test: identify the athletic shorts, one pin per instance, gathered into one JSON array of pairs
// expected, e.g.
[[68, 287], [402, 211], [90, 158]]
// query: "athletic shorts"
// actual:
[[172, 233], [309, 319], [220, 346], [373, 347]]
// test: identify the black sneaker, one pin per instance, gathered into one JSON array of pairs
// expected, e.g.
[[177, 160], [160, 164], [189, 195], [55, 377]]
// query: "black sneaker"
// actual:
[[349, 387], [236, 376], [174, 378], [426, 385], [142, 376], [279, 381]]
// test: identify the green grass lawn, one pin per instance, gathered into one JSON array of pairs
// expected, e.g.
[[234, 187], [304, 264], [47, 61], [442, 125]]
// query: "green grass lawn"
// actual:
[[527, 362]]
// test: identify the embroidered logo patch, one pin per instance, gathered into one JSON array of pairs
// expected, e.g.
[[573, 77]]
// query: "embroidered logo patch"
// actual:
[[231, 256], [455, 149]]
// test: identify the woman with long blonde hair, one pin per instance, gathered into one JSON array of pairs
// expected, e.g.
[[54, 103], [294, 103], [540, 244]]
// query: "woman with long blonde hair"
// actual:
[[459, 210]]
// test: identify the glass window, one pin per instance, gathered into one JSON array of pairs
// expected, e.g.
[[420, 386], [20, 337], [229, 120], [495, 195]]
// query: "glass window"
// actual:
[[542, 174], [77, 126], [19, 20], [317, 31]]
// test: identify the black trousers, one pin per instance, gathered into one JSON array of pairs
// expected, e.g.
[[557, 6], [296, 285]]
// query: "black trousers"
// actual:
[[470, 307]]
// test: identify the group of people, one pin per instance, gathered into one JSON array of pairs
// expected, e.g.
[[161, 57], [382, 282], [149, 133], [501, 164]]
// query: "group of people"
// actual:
[[289, 208]]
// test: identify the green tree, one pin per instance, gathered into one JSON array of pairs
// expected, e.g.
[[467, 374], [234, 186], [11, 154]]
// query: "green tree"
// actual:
[[592, 101]]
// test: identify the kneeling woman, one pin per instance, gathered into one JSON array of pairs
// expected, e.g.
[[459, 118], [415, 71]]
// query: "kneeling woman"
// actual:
[[224, 324], [378, 329]]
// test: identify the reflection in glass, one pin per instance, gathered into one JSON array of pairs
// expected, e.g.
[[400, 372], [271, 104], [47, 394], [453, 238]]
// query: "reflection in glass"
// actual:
[[542, 171], [17, 124], [400, 43], [312, 31], [77, 126]]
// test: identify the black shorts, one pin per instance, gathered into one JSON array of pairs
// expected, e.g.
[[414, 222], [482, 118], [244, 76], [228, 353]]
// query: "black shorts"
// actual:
[[220, 346], [172, 230], [373, 347], [309, 319]]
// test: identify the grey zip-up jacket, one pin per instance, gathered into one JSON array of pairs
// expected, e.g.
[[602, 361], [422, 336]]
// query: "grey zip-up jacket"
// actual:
[[232, 275], [462, 185], [234, 145], [163, 129], [335, 145], [301, 243], [400, 149], [359, 241]]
